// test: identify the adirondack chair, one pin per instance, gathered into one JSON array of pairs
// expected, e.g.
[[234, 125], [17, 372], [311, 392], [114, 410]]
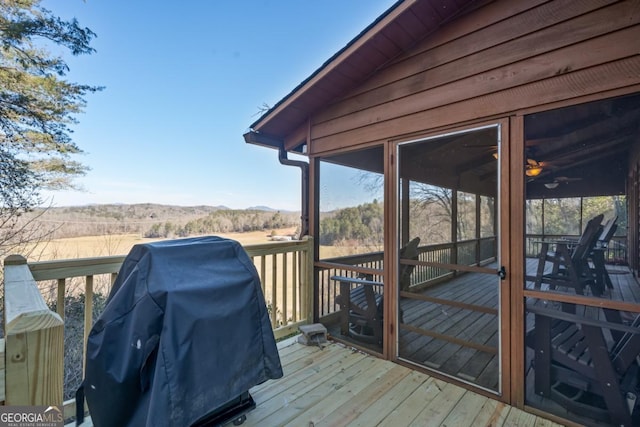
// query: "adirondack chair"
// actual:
[[597, 255], [570, 261], [361, 300], [579, 367]]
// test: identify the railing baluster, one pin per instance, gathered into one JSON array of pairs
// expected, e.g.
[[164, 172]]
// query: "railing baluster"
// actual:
[[263, 272], [285, 283], [274, 290], [88, 317], [295, 283], [61, 297]]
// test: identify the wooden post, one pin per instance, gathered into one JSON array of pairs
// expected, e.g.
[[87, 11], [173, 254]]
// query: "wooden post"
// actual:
[[88, 318], [308, 288], [34, 339], [2, 371]]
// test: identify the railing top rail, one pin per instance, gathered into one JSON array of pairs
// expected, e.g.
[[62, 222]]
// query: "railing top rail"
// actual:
[[271, 247], [378, 255], [78, 267], [65, 268]]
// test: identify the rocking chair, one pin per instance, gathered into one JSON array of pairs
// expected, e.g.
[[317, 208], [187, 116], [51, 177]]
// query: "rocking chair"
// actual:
[[570, 261], [576, 366], [597, 255], [361, 300]]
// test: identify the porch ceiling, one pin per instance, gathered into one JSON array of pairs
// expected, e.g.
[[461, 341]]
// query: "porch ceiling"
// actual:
[[585, 147]]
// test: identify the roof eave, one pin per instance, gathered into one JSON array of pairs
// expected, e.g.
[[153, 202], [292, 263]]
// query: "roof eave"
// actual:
[[341, 56], [257, 138]]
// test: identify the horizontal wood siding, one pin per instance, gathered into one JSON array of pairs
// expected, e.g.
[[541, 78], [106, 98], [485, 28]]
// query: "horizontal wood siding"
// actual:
[[551, 52]]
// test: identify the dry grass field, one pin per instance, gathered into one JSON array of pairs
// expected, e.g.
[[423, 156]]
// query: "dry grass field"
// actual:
[[272, 277], [119, 244]]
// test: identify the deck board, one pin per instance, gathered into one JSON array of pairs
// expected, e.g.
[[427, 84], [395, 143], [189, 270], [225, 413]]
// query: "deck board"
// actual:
[[378, 393], [458, 323], [337, 386]]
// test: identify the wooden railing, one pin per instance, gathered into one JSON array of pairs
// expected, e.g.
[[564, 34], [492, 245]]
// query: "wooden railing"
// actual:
[[468, 252], [615, 253], [34, 332]]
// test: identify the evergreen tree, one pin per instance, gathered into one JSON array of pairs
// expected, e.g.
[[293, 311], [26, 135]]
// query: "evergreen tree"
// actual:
[[36, 103], [36, 107]]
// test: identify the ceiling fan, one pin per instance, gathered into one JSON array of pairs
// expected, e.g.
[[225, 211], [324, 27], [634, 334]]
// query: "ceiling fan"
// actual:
[[533, 168], [556, 181]]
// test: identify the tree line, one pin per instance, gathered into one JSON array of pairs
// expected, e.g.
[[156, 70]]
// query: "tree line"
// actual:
[[225, 221], [362, 223]]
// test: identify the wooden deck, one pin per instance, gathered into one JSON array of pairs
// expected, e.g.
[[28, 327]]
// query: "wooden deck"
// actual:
[[338, 386], [341, 386], [464, 341]]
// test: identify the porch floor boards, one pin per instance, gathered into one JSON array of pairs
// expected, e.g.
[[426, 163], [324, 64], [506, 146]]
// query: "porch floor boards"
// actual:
[[481, 329], [475, 327], [625, 286]]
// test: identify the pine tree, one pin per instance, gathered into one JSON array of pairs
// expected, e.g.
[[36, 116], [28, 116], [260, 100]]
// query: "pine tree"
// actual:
[[37, 105]]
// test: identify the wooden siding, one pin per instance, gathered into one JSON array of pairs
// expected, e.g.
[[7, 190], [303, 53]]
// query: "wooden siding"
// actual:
[[399, 28], [554, 51]]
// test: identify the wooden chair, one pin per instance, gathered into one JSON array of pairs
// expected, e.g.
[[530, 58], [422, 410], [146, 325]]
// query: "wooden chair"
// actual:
[[597, 255], [570, 261], [361, 300], [581, 368], [361, 308]]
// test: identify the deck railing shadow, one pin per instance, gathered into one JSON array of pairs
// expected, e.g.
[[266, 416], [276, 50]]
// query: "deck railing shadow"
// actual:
[[36, 292]]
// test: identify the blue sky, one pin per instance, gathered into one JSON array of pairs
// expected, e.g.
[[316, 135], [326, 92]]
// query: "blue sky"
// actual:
[[183, 81]]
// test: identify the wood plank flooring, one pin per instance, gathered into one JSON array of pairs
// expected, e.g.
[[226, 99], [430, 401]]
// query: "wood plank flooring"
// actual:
[[339, 386], [463, 341]]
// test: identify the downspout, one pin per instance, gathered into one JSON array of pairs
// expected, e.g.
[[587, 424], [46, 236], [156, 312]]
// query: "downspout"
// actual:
[[304, 169]]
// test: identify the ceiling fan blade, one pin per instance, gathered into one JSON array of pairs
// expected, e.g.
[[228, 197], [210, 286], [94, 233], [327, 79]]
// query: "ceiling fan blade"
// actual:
[[567, 179]]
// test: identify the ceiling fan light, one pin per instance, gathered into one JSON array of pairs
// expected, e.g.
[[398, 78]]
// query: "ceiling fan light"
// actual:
[[551, 185], [533, 170]]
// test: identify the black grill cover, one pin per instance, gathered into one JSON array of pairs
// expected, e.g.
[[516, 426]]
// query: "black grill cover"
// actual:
[[184, 331]]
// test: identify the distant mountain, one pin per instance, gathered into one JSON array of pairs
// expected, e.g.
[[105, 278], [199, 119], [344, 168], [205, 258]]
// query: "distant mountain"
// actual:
[[262, 208]]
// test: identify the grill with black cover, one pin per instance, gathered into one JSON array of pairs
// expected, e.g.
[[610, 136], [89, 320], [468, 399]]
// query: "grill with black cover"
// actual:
[[184, 335]]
